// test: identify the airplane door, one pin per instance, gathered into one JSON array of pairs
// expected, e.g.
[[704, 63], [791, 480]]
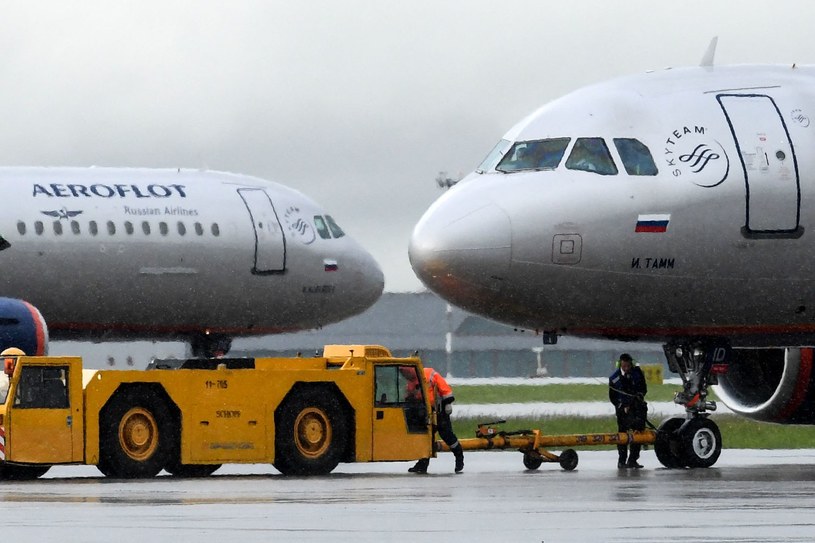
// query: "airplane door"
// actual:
[[270, 243], [773, 194]]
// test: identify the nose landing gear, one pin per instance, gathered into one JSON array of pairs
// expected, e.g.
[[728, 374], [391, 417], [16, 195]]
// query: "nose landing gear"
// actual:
[[693, 441]]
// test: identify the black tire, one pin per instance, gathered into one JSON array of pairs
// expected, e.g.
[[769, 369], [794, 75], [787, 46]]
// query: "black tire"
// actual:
[[532, 461], [136, 433], [312, 433], [15, 472], [701, 442], [568, 459], [191, 471], [668, 446]]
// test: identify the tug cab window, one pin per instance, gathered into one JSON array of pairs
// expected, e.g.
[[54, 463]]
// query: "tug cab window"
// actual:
[[534, 155], [591, 155], [399, 386], [636, 157], [42, 387]]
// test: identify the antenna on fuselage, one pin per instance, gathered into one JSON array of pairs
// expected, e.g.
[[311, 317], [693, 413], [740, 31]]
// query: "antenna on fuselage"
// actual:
[[707, 60]]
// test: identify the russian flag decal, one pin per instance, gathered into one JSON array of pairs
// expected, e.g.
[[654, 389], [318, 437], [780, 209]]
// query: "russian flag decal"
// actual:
[[330, 265], [657, 223]]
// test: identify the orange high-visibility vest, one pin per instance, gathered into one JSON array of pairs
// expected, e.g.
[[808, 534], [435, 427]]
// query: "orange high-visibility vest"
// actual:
[[437, 387]]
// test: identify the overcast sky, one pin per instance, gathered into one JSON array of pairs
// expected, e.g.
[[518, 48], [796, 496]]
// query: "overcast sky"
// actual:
[[358, 104]]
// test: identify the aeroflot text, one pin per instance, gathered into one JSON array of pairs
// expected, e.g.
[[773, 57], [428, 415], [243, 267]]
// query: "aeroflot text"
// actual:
[[108, 191]]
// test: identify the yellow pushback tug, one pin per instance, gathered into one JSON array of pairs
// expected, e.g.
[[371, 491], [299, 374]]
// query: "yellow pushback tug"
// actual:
[[302, 415]]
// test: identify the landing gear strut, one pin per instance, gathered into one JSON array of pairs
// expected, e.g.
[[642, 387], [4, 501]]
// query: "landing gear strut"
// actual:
[[693, 441]]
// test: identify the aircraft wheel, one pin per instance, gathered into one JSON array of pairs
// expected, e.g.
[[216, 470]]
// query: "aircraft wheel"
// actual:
[[668, 446], [701, 442], [532, 461], [312, 433], [134, 435], [15, 472]]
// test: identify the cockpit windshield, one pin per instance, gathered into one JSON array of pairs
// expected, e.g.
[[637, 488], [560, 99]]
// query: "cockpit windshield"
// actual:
[[636, 157], [495, 155], [591, 155], [534, 155], [336, 231]]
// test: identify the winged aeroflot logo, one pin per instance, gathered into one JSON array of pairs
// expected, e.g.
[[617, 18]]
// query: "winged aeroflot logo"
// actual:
[[61, 213]]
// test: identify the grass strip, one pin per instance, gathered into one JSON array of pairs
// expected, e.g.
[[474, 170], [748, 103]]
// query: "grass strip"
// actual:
[[481, 394]]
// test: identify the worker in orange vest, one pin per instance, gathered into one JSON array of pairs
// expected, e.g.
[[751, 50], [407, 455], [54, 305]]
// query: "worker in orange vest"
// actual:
[[441, 400], [9, 357]]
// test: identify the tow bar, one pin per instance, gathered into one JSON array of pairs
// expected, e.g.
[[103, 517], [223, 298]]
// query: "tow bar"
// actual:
[[534, 445]]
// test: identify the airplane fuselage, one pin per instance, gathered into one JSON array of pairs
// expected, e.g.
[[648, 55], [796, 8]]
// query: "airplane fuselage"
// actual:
[[138, 252], [711, 236]]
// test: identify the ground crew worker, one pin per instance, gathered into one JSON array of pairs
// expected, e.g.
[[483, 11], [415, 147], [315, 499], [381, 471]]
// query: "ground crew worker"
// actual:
[[626, 391], [441, 400], [9, 357]]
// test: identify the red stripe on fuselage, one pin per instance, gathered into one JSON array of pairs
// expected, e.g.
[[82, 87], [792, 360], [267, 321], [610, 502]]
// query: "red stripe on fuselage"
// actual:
[[169, 330], [698, 331]]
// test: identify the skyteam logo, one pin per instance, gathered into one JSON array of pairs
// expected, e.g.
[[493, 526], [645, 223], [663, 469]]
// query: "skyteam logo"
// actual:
[[699, 157], [299, 227], [689, 153]]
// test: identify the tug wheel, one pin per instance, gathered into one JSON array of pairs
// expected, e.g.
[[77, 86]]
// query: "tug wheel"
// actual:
[[568, 459], [313, 433], [136, 432]]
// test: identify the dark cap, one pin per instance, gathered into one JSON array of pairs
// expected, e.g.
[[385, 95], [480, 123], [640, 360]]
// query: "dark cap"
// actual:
[[625, 357]]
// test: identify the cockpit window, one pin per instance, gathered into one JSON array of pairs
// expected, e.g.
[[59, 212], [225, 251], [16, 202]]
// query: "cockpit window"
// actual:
[[534, 155], [591, 155], [495, 155], [636, 157], [322, 229], [336, 231]]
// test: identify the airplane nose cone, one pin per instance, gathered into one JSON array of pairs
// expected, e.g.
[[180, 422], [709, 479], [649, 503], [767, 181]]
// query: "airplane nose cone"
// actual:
[[367, 281], [462, 251]]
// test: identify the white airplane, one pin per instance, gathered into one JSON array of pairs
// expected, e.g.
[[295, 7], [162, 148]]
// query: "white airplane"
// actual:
[[674, 206], [109, 253]]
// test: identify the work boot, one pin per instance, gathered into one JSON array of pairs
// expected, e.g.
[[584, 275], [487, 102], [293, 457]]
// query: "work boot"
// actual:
[[459, 454], [421, 466], [632, 464], [621, 465]]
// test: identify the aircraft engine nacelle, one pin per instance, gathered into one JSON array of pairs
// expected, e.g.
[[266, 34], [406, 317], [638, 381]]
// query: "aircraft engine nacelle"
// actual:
[[772, 385], [22, 326]]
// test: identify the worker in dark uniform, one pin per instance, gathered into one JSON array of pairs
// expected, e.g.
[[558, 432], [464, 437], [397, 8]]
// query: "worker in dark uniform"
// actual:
[[441, 400], [626, 391]]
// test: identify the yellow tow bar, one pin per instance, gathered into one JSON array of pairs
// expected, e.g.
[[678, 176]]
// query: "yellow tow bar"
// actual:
[[534, 444]]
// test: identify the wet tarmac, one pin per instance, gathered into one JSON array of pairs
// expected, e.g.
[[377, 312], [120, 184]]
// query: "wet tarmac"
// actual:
[[748, 496]]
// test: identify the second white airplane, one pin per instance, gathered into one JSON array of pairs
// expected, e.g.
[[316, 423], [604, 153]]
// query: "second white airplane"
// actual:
[[674, 206], [200, 256]]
